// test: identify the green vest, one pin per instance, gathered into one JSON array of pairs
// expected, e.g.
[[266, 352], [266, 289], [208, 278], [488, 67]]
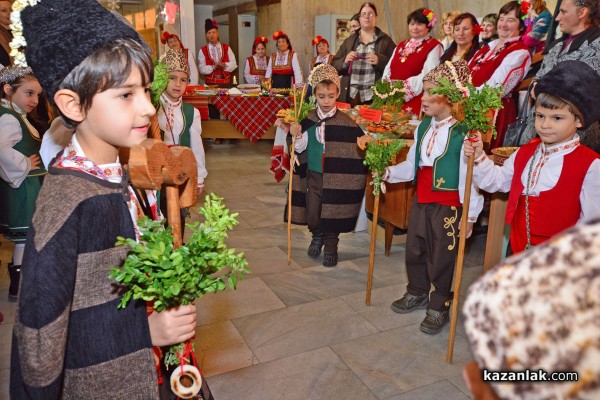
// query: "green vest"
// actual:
[[446, 167], [188, 119], [314, 150], [29, 144]]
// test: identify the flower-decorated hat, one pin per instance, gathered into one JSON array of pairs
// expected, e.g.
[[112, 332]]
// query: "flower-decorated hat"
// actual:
[[318, 39], [210, 24], [278, 34], [167, 35], [175, 60], [59, 34], [259, 39], [577, 83], [539, 310], [324, 72], [11, 74]]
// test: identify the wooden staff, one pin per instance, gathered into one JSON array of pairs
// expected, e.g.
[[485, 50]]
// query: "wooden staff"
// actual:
[[460, 258], [372, 250], [292, 161], [152, 164]]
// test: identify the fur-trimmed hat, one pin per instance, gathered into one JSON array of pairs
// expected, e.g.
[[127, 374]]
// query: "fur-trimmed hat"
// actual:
[[539, 310], [577, 83], [11, 74], [60, 34], [456, 73], [324, 72], [210, 24], [175, 60]]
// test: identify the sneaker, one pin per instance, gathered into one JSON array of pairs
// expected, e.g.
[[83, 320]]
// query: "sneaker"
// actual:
[[316, 245], [434, 321], [410, 302], [330, 259]]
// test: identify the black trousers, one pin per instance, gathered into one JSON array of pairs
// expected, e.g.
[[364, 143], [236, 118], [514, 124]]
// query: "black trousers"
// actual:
[[431, 248], [313, 211]]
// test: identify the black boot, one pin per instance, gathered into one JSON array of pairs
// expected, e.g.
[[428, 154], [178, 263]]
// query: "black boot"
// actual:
[[14, 272], [316, 245]]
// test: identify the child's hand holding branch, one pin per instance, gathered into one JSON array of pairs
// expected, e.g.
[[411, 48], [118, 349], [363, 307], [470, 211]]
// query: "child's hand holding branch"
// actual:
[[473, 146], [296, 130], [173, 325]]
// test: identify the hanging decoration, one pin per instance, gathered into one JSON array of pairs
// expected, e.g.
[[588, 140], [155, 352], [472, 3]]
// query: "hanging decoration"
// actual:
[[114, 5]]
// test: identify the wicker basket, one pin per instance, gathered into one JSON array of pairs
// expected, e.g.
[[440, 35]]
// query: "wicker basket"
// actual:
[[501, 154]]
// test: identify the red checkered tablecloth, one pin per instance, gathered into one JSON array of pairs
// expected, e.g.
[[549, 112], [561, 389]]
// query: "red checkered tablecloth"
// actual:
[[252, 116]]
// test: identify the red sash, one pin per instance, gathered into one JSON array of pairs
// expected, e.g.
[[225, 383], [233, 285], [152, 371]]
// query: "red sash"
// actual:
[[426, 195]]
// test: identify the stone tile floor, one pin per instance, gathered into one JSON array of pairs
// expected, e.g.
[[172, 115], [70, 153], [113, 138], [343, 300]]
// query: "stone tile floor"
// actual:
[[303, 331]]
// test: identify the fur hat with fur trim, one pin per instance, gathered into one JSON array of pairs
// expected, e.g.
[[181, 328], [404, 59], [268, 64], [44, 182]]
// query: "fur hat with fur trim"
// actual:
[[324, 72], [210, 24], [60, 34], [456, 73], [577, 83], [175, 60]]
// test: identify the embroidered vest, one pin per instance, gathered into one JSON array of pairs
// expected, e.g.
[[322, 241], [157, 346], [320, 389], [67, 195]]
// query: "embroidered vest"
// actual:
[[286, 69], [445, 171], [413, 65], [313, 61], [565, 194], [482, 72], [218, 76], [315, 151], [188, 118], [29, 144], [254, 70]]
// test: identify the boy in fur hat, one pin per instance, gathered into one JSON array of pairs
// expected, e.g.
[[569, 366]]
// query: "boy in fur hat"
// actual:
[[180, 122], [553, 171], [216, 60], [329, 184], [437, 167], [70, 339], [538, 312]]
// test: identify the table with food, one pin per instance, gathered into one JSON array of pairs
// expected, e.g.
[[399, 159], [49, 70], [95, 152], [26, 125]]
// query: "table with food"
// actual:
[[246, 111]]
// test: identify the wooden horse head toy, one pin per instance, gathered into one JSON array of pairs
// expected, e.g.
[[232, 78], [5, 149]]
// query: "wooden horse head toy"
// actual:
[[152, 163]]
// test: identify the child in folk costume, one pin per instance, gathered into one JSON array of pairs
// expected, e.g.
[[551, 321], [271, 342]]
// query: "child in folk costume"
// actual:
[[256, 64], [436, 165], [415, 57], [21, 169], [216, 60], [70, 339], [283, 67], [329, 183], [175, 43], [553, 181], [179, 122]]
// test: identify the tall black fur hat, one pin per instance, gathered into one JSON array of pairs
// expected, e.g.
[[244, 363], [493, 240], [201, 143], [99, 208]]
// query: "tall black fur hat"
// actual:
[[210, 24], [60, 34], [577, 83]]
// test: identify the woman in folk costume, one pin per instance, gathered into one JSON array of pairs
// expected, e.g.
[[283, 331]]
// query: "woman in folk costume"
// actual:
[[415, 57], [323, 55], [174, 42], [329, 183], [504, 62], [283, 68], [21, 169], [215, 60], [179, 122], [256, 64]]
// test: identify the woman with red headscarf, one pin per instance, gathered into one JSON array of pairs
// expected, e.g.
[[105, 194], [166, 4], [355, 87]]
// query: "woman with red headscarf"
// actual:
[[256, 64], [283, 65], [173, 41]]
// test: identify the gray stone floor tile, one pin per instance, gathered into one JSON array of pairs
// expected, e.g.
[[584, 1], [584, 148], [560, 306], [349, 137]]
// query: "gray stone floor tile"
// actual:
[[281, 333], [379, 313], [439, 390], [314, 375], [459, 382], [270, 260], [220, 348], [404, 359], [317, 283], [252, 296]]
